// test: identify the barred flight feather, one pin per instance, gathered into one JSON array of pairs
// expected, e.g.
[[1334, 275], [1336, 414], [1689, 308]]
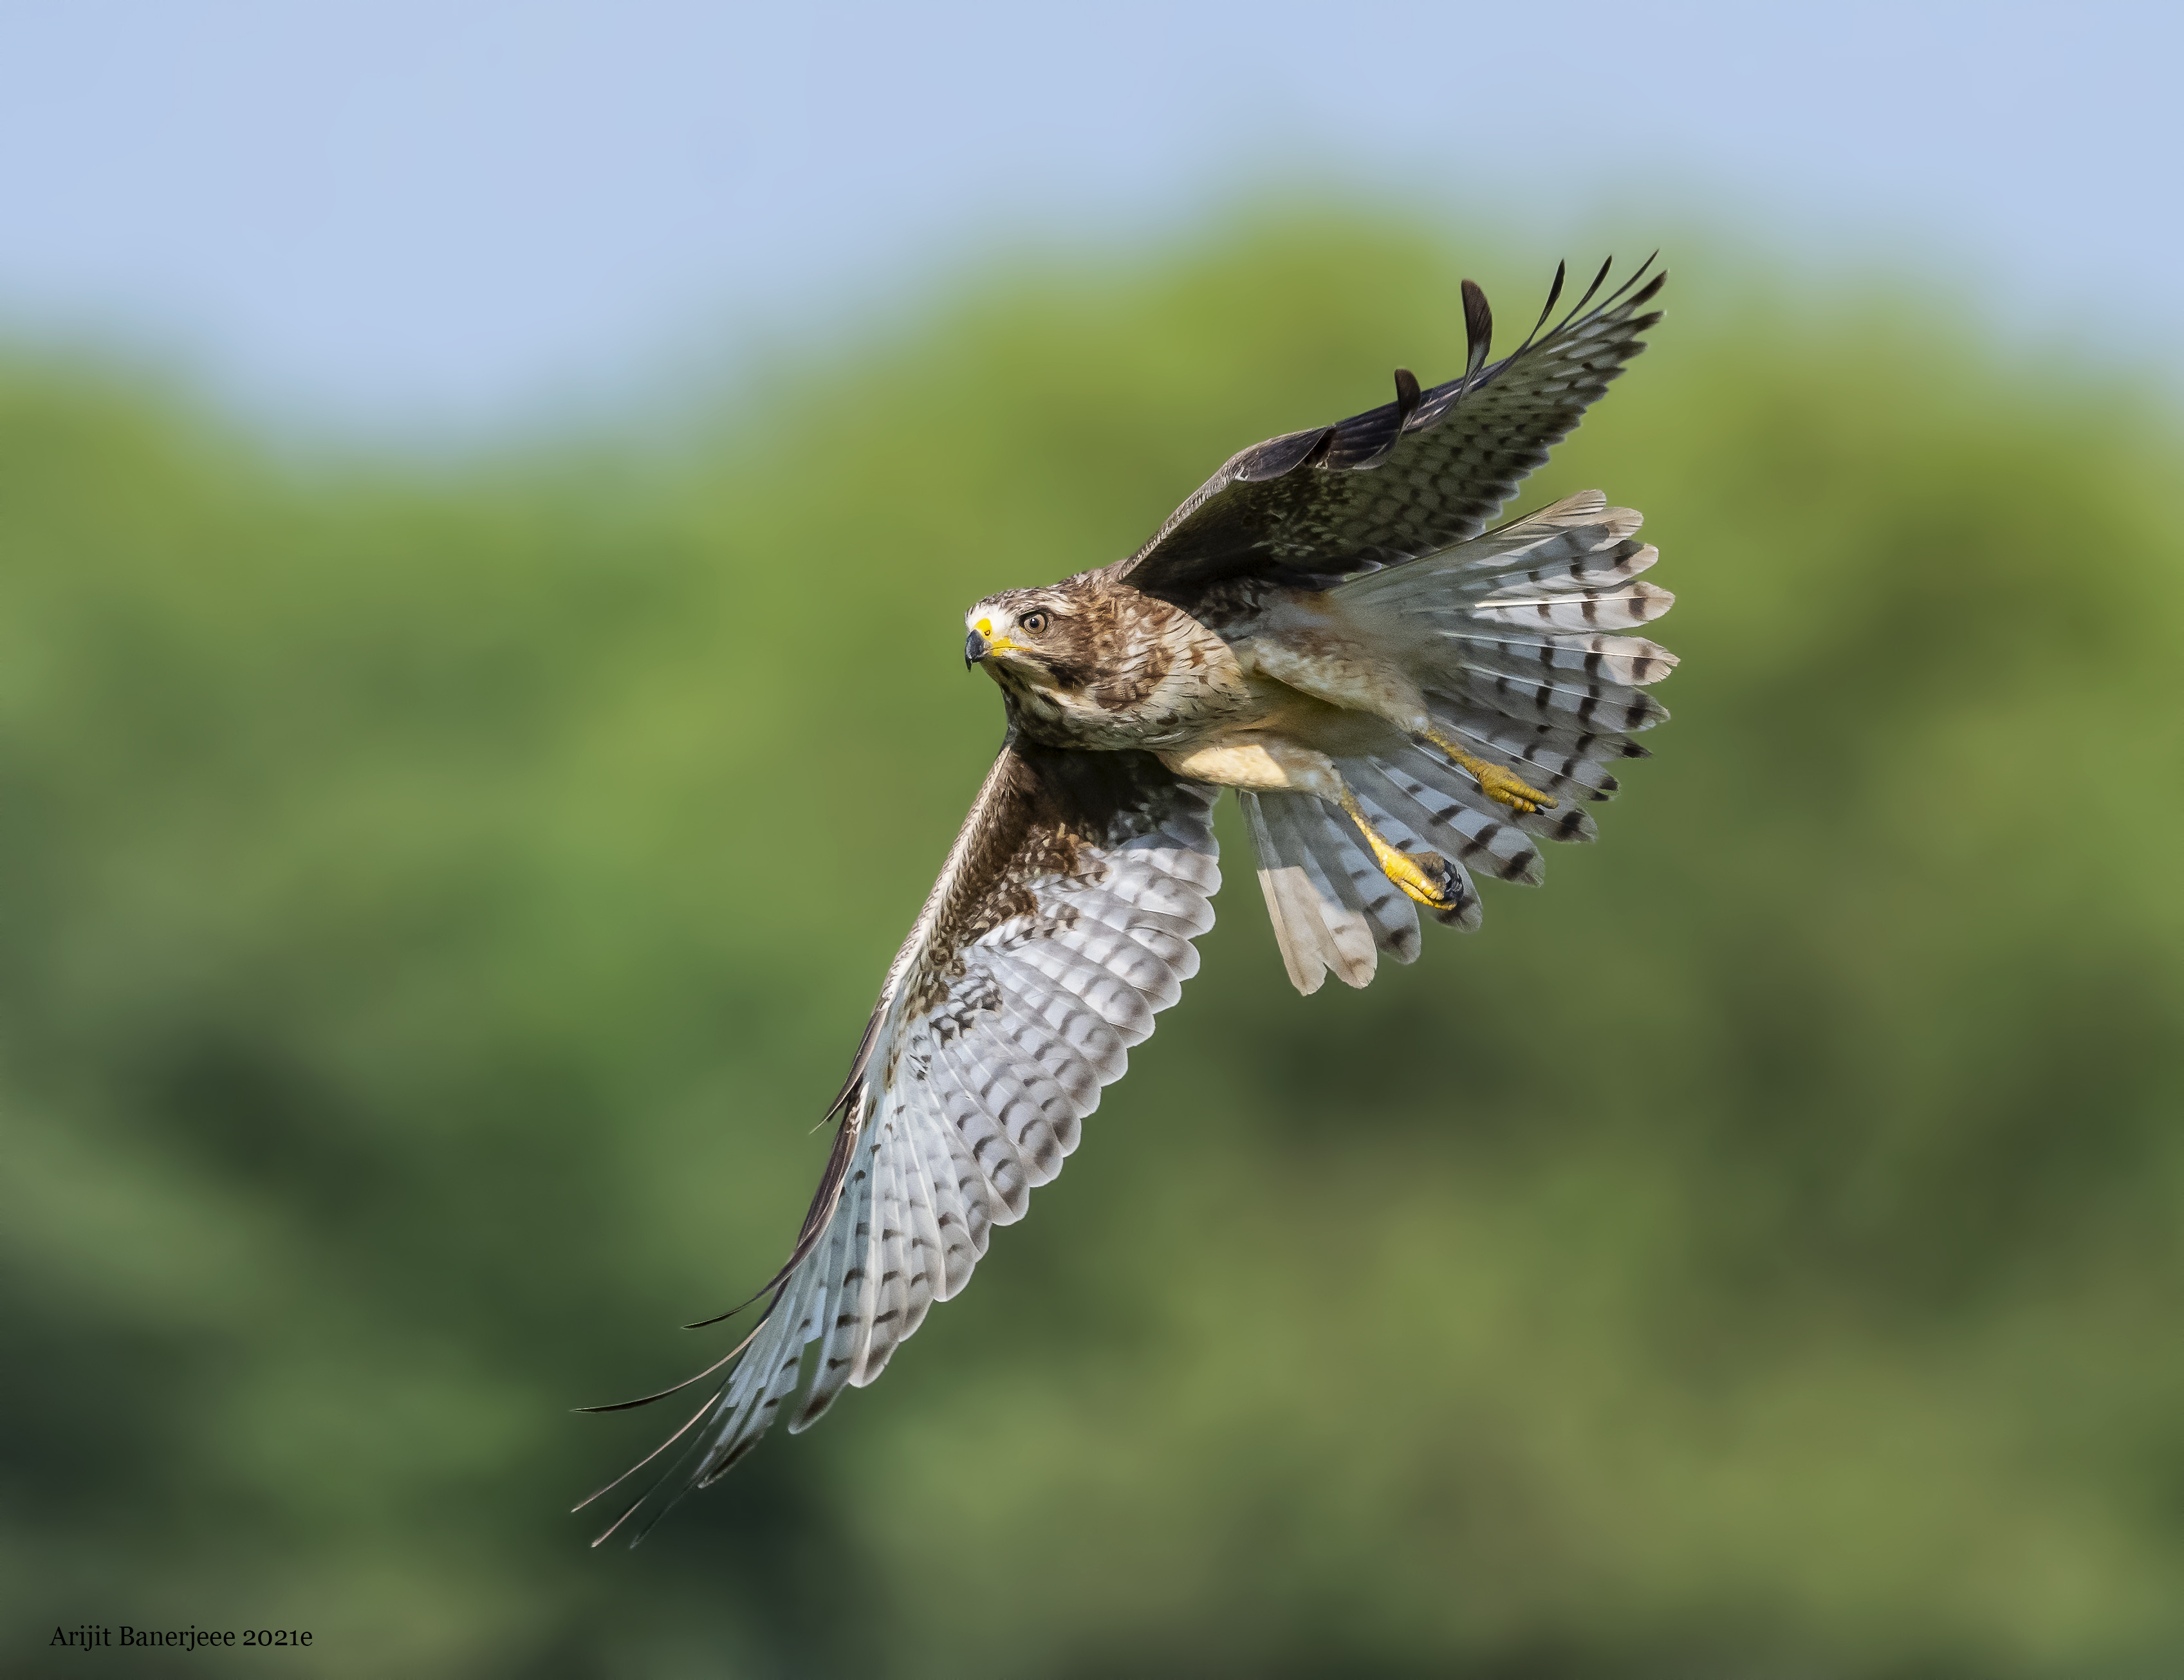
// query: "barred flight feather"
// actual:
[[1365, 888], [994, 1148], [848, 1286], [1110, 996], [954, 1187], [1008, 1092], [1628, 660], [1070, 1027], [1608, 705], [1579, 756], [1422, 789], [921, 1230], [1299, 944], [891, 1301], [1300, 914], [1617, 606], [1410, 829], [1610, 560], [1166, 939], [1049, 1054], [1297, 828], [1129, 959]]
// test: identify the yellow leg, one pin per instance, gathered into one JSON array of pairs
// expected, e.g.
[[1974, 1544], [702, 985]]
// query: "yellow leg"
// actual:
[[1425, 877], [1496, 782]]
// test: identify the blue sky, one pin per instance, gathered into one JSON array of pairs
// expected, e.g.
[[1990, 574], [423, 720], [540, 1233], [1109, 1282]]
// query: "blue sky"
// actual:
[[396, 215]]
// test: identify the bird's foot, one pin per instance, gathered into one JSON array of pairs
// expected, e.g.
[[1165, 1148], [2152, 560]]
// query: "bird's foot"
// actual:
[[1426, 877], [1503, 787]]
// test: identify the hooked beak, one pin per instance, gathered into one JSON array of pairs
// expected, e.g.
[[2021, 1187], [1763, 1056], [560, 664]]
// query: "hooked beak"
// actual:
[[975, 648]]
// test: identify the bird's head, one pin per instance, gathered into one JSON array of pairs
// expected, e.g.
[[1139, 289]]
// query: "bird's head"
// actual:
[[1024, 638]]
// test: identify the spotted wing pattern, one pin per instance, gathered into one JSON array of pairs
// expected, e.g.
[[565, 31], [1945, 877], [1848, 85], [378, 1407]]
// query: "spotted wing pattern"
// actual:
[[1060, 923], [1407, 478]]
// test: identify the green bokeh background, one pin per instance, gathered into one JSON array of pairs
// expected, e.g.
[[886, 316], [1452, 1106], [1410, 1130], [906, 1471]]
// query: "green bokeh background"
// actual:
[[436, 900]]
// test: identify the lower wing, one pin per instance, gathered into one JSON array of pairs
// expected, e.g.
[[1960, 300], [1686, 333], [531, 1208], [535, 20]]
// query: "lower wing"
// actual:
[[1060, 923]]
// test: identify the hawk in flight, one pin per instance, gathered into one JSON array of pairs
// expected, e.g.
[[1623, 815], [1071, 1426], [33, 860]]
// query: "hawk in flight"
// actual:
[[1401, 696]]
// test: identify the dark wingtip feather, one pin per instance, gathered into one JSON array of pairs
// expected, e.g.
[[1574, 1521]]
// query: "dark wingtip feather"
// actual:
[[1408, 398], [1554, 297], [1577, 308], [1478, 328], [606, 1533], [815, 1218], [639, 1464], [631, 1406], [1639, 300]]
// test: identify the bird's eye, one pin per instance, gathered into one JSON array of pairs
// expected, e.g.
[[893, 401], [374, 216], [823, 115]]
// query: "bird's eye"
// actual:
[[1035, 623]]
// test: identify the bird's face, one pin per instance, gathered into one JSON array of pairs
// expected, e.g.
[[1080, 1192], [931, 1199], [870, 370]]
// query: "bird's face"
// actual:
[[1019, 636]]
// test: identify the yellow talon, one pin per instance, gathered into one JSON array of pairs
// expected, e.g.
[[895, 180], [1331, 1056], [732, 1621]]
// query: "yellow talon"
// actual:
[[1497, 783], [1424, 876]]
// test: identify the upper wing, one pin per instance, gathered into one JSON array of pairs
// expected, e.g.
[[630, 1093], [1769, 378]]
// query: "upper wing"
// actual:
[[1062, 921], [1405, 478]]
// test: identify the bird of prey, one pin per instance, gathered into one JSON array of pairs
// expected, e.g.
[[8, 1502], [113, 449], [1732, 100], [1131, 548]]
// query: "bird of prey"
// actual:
[[1401, 696]]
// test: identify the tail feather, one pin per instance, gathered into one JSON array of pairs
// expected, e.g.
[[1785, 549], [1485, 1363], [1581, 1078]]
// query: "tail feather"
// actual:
[[1564, 762], [1515, 641], [1319, 915], [1576, 524], [1565, 821], [1630, 660], [1587, 557], [1455, 828], [1300, 833], [1410, 827], [1612, 606], [1578, 546], [1608, 705], [1393, 917], [1511, 639], [1339, 859], [1295, 906]]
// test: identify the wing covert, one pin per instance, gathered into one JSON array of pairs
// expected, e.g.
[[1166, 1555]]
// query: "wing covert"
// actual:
[[1062, 921]]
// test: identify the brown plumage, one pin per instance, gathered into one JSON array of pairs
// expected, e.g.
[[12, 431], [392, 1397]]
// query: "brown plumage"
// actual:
[[1401, 697]]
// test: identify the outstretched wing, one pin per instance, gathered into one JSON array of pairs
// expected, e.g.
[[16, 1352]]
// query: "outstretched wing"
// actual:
[[1062, 921], [1405, 478]]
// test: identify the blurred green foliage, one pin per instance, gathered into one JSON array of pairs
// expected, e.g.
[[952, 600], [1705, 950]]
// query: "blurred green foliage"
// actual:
[[435, 902]]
